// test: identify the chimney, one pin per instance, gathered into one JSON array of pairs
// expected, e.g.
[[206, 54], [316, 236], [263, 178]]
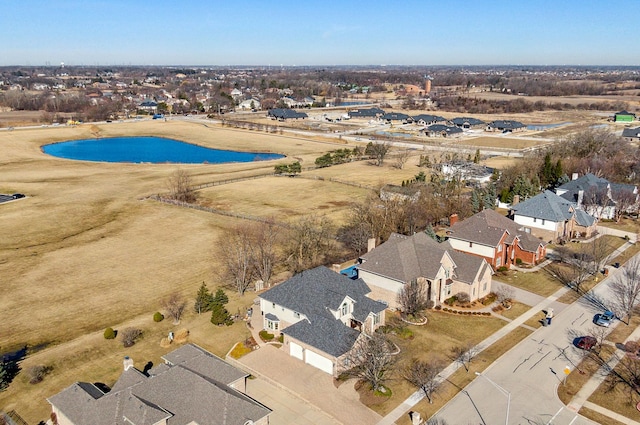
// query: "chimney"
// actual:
[[427, 86], [371, 243], [516, 200], [453, 219], [336, 268], [128, 362], [574, 176], [415, 418]]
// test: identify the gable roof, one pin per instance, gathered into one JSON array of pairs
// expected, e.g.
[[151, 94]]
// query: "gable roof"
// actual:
[[570, 190], [328, 335], [175, 393], [460, 121], [625, 113], [441, 128], [200, 361], [488, 227], [396, 116], [631, 132], [312, 292], [506, 124], [366, 113], [429, 118], [404, 258], [285, 113], [549, 206]]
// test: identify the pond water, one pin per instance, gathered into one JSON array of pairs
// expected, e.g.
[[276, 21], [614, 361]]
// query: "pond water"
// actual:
[[155, 150], [539, 127], [349, 103]]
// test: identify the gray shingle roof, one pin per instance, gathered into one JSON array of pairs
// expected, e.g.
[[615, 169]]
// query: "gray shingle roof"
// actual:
[[312, 293], [441, 128], [487, 228], [201, 361], [396, 116], [429, 119], [631, 132], [461, 121], [285, 113], [506, 124], [179, 394], [366, 113], [546, 206], [585, 183]]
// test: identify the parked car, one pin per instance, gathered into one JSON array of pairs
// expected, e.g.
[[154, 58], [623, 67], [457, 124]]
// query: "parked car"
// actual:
[[605, 319], [586, 342], [18, 195]]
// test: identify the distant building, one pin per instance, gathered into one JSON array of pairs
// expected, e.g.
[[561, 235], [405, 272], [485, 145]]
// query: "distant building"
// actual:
[[467, 122], [631, 134], [284, 114], [441, 130], [506, 126], [426, 119], [624, 116], [366, 113], [396, 116]]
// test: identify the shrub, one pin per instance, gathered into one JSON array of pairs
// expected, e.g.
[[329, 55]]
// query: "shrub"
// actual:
[[129, 336], [220, 316], [503, 269], [462, 297], [109, 333], [450, 301], [158, 317], [281, 339], [37, 373], [266, 336], [519, 261]]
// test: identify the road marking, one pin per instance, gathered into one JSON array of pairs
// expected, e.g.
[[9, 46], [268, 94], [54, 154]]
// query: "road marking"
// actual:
[[554, 416], [574, 419]]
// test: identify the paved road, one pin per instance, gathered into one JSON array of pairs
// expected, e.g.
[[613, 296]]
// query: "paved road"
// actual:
[[531, 373]]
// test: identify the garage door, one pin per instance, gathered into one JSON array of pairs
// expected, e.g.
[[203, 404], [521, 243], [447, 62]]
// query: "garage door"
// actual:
[[295, 350], [322, 363]]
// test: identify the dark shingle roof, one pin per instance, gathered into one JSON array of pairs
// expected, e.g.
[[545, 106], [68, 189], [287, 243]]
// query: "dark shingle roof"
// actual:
[[395, 116], [429, 119], [506, 124], [487, 228], [631, 132], [461, 121], [570, 190], [328, 335], [366, 113], [177, 393], [549, 206], [441, 128], [201, 361], [625, 113], [285, 113]]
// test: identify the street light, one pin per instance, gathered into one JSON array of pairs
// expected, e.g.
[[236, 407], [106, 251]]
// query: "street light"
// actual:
[[503, 391]]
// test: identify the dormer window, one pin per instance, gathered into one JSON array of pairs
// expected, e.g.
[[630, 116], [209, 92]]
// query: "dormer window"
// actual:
[[345, 309]]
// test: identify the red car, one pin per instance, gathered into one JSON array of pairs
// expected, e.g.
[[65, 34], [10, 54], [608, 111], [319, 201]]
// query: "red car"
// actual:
[[586, 342]]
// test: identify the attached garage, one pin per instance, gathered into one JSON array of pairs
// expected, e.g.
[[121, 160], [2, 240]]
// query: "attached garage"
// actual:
[[296, 351], [316, 360]]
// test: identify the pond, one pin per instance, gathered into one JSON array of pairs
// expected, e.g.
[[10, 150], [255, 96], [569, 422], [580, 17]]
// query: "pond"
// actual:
[[156, 150]]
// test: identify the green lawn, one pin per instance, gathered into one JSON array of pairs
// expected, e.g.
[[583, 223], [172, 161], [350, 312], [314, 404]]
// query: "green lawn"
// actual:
[[539, 282]]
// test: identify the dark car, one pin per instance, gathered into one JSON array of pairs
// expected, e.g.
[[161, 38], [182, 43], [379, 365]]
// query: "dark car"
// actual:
[[605, 319], [18, 195], [586, 342]]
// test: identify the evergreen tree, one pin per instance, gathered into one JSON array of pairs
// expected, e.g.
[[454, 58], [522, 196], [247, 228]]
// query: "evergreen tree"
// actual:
[[4, 376], [220, 297], [220, 315], [203, 299], [476, 157], [431, 233], [475, 201]]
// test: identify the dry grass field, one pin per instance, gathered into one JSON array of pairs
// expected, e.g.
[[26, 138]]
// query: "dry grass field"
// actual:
[[85, 250]]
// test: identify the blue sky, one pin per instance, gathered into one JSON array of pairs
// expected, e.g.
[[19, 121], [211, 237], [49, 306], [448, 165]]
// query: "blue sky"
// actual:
[[348, 32]]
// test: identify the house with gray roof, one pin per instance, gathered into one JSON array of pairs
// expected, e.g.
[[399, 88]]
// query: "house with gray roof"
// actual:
[[427, 119], [553, 218], [497, 239], [321, 314], [192, 387], [467, 122], [599, 197], [396, 116], [631, 134], [366, 113], [505, 126], [444, 271], [441, 130], [282, 114]]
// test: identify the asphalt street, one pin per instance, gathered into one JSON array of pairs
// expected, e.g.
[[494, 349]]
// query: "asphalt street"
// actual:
[[530, 374]]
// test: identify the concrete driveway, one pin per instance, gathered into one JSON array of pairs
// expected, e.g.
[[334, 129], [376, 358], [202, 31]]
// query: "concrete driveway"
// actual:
[[310, 384]]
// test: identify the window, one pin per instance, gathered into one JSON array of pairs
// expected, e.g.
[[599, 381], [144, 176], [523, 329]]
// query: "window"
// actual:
[[484, 287], [470, 244], [345, 309], [543, 221], [499, 248], [498, 262], [273, 305], [474, 292], [376, 318], [535, 219]]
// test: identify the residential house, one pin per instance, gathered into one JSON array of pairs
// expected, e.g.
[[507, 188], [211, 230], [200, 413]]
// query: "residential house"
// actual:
[[466, 170], [445, 271], [553, 218], [366, 113], [624, 116], [497, 239], [284, 113], [505, 126], [249, 104], [631, 134], [468, 123], [149, 106], [441, 130], [321, 314], [192, 387], [597, 196], [426, 119], [396, 116]]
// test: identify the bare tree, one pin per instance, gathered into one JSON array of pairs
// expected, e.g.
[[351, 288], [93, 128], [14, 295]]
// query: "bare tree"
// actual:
[[371, 360], [505, 294], [412, 297], [576, 266], [264, 249], [236, 250], [129, 336], [594, 200], [626, 202], [626, 289], [464, 354], [599, 251], [180, 186], [309, 241], [174, 306], [401, 158], [424, 376]]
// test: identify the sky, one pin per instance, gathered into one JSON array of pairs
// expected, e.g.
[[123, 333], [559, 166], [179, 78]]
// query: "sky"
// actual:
[[328, 32]]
